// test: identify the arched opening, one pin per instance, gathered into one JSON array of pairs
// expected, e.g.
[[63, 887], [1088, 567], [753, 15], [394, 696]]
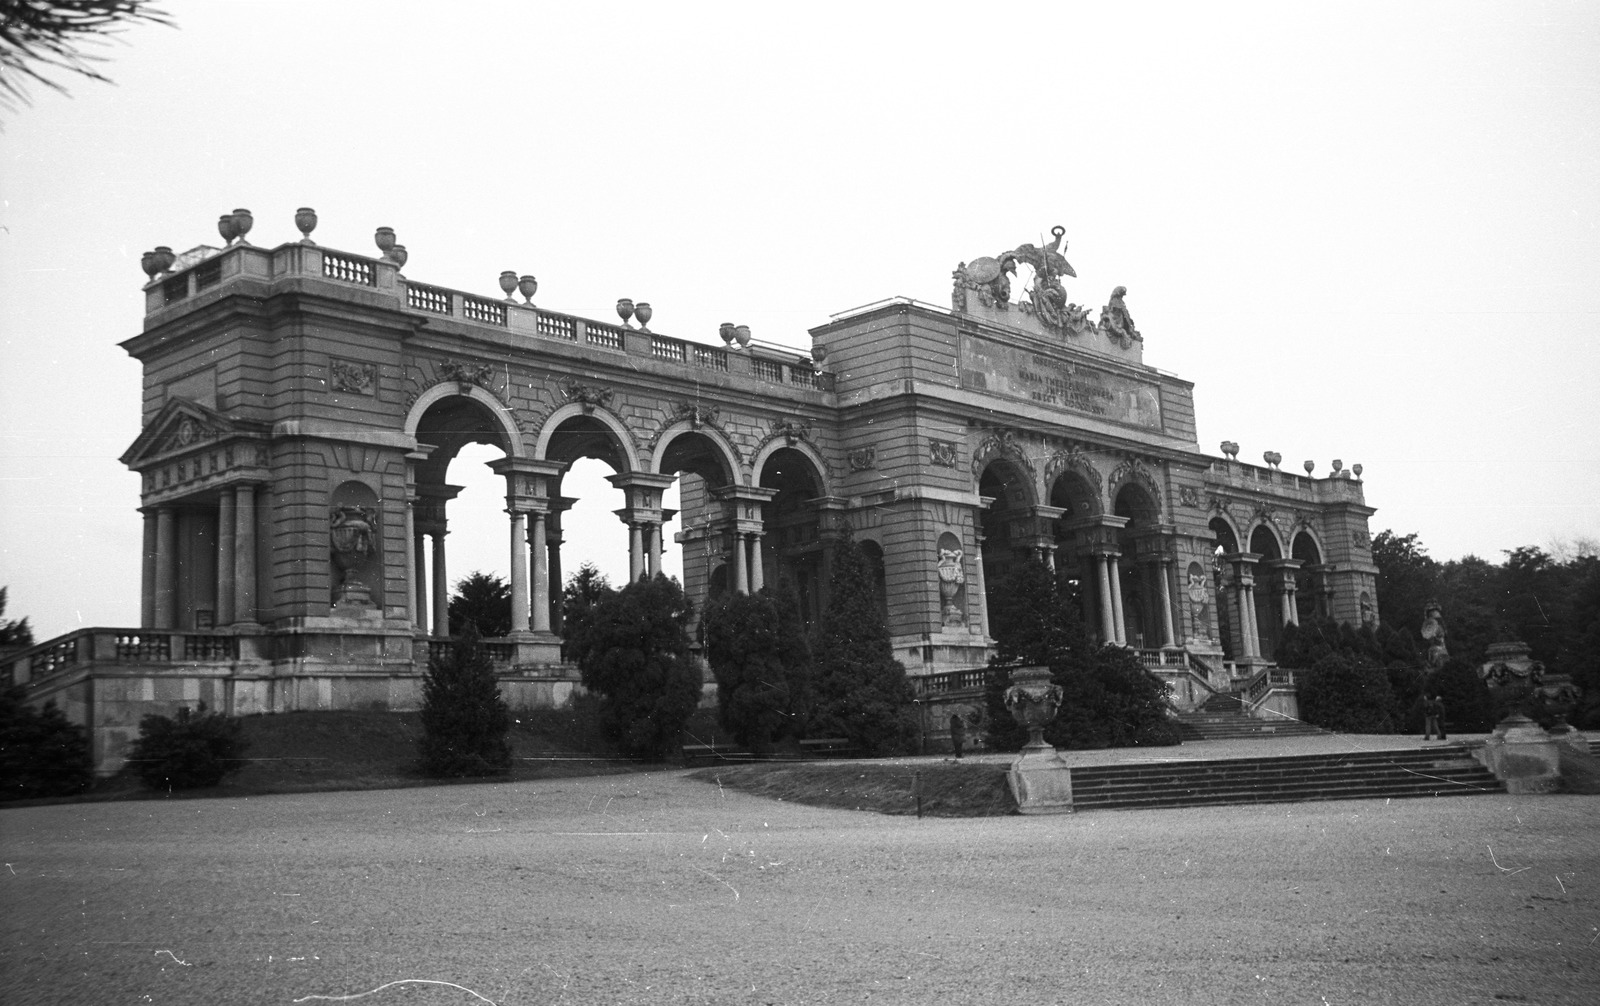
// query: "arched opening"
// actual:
[[1007, 521], [880, 587], [791, 543], [460, 501], [1268, 593], [1074, 533], [1308, 579], [1136, 539], [702, 466], [1225, 542]]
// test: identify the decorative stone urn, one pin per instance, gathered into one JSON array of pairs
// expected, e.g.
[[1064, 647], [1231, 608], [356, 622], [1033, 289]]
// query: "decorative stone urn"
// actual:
[[508, 285], [242, 222], [1033, 700], [1040, 780], [305, 221], [625, 309], [643, 313], [527, 286], [352, 540]]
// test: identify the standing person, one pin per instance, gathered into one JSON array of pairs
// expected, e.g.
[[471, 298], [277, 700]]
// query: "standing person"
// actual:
[[1433, 718], [958, 732]]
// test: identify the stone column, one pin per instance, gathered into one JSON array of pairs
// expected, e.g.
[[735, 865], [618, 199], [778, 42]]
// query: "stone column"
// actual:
[[983, 587], [1118, 620], [757, 577], [419, 579], [1168, 636], [1108, 628], [1247, 599], [441, 587], [554, 585], [519, 571], [166, 592], [741, 582], [412, 567], [147, 573], [1290, 616], [244, 556], [635, 551], [539, 538], [225, 557], [656, 548]]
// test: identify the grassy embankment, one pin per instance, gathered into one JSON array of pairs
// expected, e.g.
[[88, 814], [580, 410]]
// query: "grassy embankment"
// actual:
[[323, 751]]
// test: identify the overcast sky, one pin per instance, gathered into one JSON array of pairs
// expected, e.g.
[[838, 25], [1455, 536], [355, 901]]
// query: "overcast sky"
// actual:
[[1365, 231]]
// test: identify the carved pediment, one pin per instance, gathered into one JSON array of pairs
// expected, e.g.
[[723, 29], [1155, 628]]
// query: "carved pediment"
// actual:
[[181, 427]]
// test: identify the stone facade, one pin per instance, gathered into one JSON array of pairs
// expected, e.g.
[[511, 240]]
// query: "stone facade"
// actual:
[[301, 407]]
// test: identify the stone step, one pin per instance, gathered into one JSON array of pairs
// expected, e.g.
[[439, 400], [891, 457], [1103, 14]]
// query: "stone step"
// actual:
[[1448, 771]]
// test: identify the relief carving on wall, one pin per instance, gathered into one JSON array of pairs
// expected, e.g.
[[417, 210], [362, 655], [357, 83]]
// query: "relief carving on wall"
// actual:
[[1189, 496], [862, 459], [695, 413], [792, 432], [1001, 442], [353, 377], [942, 452], [466, 374], [588, 396]]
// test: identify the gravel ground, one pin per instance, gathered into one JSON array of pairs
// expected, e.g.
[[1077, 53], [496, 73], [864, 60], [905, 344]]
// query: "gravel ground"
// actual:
[[653, 888]]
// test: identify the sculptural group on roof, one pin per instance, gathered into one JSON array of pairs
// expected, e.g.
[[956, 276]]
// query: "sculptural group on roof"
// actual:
[[988, 280]]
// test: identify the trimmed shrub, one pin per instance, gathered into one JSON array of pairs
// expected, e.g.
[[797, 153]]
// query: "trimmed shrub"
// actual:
[[861, 689], [633, 649], [187, 751], [464, 719], [756, 646], [1347, 695], [42, 753]]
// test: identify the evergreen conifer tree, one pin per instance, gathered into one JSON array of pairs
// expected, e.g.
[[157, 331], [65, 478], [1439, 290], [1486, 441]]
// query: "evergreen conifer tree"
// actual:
[[756, 646], [633, 649], [464, 719], [861, 690]]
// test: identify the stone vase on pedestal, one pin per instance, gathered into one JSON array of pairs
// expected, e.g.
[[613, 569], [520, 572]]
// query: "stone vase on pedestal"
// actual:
[[1040, 781]]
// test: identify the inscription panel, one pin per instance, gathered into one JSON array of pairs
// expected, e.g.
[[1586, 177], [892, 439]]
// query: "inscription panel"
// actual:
[[1017, 372]]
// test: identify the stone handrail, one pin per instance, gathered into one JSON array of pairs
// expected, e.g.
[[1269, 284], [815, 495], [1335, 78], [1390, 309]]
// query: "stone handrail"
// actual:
[[208, 268], [83, 647], [975, 678]]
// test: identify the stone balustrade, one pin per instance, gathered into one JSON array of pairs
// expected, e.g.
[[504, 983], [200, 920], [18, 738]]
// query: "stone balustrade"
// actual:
[[198, 273]]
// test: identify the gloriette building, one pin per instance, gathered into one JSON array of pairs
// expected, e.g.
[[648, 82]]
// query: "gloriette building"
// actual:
[[302, 406]]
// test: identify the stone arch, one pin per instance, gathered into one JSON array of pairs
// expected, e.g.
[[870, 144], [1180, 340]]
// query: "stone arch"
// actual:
[[1070, 474], [1224, 533], [1134, 472], [503, 414], [819, 465], [673, 446], [792, 547], [1264, 541], [599, 420], [1225, 538], [1000, 444], [1308, 597], [872, 551], [1009, 525]]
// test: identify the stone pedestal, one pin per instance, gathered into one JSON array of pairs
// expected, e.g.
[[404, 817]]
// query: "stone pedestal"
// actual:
[[1523, 756], [1041, 782]]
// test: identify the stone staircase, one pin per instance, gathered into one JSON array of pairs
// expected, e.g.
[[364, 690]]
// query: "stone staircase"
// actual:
[[1358, 775], [1222, 717]]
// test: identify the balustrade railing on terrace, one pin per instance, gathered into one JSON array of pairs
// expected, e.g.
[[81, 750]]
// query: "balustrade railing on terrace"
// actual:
[[502, 652], [973, 679], [208, 267], [86, 647], [1265, 681]]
